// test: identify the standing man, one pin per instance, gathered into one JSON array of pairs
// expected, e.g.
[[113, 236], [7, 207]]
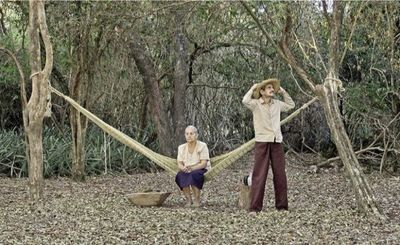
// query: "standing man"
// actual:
[[268, 147]]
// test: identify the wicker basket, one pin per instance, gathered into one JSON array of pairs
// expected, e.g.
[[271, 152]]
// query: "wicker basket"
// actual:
[[148, 198]]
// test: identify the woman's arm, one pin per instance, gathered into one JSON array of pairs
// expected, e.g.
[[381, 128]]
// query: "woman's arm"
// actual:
[[181, 166], [200, 165]]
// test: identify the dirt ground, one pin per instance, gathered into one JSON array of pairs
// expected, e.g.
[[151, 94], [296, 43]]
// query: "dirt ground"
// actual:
[[322, 209]]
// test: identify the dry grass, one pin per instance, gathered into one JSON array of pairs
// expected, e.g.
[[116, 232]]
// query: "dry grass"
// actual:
[[322, 210]]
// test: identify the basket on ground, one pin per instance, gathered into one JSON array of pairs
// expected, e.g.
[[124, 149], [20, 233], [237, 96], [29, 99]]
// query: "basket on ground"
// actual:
[[148, 198]]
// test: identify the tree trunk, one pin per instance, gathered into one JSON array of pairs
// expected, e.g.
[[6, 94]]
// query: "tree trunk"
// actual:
[[35, 168], [3, 29], [328, 94], [181, 79], [78, 123], [36, 106], [159, 116], [143, 117], [78, 129], [79, 89]]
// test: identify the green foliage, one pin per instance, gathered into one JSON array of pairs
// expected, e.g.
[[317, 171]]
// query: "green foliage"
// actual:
[[10, 106], [365, 106], [228, 54], [10, 102], [103, 152], [367, 98], [8, 69], [57, 154], [12, 154]]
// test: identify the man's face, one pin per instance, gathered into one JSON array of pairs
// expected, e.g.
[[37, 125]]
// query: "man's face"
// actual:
[[268, 91], [190, 135]]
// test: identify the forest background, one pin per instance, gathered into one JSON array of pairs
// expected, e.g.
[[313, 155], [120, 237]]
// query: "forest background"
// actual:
[[152, 68]]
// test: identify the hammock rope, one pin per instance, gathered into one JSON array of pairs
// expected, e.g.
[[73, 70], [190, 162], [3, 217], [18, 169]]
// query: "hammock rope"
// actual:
[[219, 163]]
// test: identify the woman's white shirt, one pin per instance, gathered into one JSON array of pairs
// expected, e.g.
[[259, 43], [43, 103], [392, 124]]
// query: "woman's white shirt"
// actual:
[[200, 152]]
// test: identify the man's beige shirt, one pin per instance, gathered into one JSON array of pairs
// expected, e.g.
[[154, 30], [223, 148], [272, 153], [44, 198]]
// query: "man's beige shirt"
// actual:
[[267, 117]]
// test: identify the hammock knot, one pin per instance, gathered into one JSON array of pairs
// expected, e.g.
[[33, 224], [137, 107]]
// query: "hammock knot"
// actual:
[[335, 82]]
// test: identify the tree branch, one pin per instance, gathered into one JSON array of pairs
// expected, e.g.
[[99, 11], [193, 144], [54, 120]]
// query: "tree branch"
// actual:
[[346, 45], [282, 48], [215, 87], [325, 11], [47, 43], [333, 159]]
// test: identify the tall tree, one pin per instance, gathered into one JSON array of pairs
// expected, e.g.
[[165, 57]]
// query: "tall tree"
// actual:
[[168, 117], [148, 71], [37, 104], [87, 49], [181, 74]]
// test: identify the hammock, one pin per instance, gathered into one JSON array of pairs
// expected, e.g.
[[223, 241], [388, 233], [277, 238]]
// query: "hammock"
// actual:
[[167, 163]]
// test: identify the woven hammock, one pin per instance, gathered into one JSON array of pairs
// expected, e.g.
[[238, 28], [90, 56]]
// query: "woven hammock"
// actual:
[[167, 163]]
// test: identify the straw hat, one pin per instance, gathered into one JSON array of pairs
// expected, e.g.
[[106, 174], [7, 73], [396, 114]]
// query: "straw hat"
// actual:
[[275, 82]]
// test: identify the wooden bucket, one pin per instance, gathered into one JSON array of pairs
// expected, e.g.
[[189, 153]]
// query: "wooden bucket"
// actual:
[[148, 198]]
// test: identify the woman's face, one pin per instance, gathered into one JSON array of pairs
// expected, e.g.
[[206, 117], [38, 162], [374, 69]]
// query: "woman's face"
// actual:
[[190, 135]]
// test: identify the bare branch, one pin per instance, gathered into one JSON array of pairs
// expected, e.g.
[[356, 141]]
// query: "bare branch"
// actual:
[[282, 49], [21, 74], [325, 11], [24, 100], [347, 44], [333, 159], [215, 87], [46, 39], [315, 46], [297, 83]]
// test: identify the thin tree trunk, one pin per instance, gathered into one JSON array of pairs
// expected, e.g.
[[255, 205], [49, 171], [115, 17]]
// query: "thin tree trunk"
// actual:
[[3, 29], [24, 101], [35, 168], [78, 130], [143, 116], [329, 97], [36, 106], [78, 89], [181, 78], [78, 124]]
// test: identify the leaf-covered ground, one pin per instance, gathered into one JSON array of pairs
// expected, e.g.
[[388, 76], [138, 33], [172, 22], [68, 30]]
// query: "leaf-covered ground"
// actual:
[[322, 210]]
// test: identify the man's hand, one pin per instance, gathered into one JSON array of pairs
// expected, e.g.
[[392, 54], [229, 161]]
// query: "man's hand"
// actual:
[[281, 90], [254, 86]]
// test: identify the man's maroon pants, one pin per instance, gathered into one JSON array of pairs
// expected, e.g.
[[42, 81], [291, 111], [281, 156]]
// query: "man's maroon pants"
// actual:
[[266, 153]]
